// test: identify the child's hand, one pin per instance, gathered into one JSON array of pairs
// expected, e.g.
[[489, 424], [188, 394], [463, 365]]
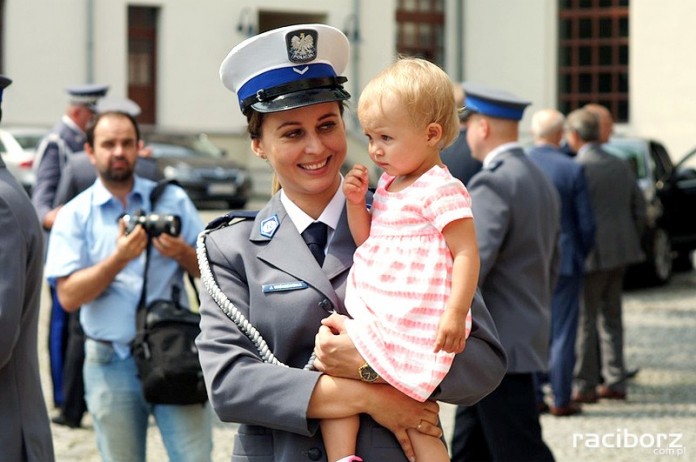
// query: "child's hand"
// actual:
[[336, 322], [355, 184], [451, 331]]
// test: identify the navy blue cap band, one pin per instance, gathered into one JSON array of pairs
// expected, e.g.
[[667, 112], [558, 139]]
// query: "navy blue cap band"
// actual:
[[281, 77], [292, 87], [493, 109]]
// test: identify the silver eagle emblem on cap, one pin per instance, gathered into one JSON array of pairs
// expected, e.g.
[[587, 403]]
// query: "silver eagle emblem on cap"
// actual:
[[302, 45]]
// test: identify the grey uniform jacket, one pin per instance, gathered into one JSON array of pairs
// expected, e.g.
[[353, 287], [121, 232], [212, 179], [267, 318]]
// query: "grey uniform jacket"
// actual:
[[51, 156], [517, 217], [277, 285], [25, 432], [619, 209]]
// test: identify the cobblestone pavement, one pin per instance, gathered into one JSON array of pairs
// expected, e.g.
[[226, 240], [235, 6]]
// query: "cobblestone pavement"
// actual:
[[657, 423]]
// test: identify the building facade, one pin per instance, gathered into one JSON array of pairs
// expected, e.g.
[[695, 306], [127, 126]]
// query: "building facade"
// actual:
[[165, 54]]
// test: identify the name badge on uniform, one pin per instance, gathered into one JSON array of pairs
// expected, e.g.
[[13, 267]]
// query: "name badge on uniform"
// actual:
[[284, 286], [269, 226]]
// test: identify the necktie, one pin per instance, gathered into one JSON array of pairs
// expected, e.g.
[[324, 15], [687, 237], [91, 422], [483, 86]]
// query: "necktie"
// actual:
[[315, 237]]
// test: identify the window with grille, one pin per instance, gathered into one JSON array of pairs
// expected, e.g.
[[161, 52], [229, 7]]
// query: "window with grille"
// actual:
[[593, 55], [420, 29]]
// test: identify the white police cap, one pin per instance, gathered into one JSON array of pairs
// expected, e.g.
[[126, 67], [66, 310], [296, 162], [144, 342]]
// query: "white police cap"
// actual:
[[87, 95], [286, 68]]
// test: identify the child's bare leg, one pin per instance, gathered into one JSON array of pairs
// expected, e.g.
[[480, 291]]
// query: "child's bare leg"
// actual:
[[428, 448], [340, 436]]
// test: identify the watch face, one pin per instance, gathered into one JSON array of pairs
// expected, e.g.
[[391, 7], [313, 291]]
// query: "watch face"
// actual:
[[368, 374]]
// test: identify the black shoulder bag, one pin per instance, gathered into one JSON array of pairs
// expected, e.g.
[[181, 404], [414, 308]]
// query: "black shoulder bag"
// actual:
[[164, 346]]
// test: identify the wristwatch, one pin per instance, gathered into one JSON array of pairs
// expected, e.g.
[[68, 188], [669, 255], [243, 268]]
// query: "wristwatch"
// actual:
[[367, 374]]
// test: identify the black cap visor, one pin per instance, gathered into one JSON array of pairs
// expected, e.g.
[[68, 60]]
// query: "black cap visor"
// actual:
[[300, 99]]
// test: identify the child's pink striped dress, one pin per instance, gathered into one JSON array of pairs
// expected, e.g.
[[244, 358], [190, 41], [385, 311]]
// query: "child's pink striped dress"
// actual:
[[401, 279]]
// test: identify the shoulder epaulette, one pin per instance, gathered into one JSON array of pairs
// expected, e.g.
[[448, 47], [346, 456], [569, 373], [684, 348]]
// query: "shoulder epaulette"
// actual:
[[231, 218]]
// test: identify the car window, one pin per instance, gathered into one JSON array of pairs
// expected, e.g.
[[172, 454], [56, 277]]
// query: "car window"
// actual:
[[165, 145], [632, 151], [687, 167], [661, 160], [28, 141]]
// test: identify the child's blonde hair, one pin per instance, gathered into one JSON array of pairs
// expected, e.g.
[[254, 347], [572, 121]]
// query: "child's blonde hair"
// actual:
[[423, 88]]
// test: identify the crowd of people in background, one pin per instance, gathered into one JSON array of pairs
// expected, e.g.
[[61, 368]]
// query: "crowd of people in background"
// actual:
[[555, 226]]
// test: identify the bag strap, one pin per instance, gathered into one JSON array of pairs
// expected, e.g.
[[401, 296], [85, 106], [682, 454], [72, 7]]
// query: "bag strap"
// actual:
[[154, 196]]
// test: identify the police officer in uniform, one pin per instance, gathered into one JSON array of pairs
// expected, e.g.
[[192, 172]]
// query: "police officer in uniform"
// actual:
[[288, 84], [26, 432], [66, 138], [517, 218]]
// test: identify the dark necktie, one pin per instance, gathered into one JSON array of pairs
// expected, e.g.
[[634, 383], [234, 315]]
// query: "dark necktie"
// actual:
[[315, 237]]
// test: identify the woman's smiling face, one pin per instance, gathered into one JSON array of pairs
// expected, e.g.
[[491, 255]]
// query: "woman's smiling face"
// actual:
[[306, 148]]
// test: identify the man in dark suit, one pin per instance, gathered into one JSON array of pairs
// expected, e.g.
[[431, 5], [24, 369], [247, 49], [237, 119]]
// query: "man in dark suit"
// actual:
[[619, 209], [517, 217], [26, 433], [457, 157], [577, 238]]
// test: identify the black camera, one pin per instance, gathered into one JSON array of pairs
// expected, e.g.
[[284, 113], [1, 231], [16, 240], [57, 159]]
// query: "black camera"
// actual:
[[154, 223]]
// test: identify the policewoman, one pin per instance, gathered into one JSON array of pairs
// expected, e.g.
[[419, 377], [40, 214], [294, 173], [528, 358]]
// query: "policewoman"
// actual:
[[289, 85]]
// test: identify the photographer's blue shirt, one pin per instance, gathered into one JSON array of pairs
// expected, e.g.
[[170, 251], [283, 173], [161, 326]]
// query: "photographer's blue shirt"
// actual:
[[85, 233]]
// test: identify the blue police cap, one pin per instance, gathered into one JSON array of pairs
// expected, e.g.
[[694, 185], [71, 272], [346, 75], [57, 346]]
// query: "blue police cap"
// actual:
[[287, 68], [4, 83], [493, 102], [87, 95]]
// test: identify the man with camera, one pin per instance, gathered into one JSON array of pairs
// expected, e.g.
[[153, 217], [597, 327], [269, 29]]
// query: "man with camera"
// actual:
[[97, 262]]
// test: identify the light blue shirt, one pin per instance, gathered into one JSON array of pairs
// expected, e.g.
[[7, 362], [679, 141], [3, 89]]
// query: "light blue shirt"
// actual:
[[85, 233]]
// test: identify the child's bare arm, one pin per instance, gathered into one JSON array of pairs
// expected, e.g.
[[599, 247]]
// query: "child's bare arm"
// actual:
[[355, 186], [460, 236]]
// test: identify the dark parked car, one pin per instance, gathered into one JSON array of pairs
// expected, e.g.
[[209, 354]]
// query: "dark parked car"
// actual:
[[670, 194], [204, 170]]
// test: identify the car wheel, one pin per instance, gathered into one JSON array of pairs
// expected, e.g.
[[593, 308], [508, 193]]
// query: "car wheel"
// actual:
[[661, 258]]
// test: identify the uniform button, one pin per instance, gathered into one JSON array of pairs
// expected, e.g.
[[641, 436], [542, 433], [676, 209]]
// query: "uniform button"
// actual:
[[314, 454], [325, 304]]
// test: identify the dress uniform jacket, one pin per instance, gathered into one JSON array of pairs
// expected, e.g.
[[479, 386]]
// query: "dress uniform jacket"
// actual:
[[265, 268], [51, 157], [26, 433], [612, 186], [517, 219]]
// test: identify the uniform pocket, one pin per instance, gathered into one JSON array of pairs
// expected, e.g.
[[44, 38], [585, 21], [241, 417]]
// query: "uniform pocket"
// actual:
[[252, 446]]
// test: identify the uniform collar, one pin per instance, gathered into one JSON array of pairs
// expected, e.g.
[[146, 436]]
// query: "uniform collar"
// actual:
[[71, 124], [330, 215], [499, 150]]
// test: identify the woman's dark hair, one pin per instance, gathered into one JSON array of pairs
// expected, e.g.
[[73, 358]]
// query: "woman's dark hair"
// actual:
[[93, 123]]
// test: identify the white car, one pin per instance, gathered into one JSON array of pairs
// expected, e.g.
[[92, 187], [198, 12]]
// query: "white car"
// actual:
[[18, 147]]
